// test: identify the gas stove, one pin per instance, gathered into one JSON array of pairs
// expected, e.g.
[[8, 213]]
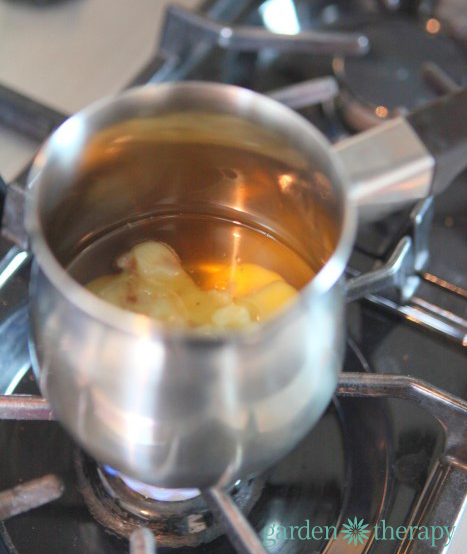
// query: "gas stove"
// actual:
[[391, 448]]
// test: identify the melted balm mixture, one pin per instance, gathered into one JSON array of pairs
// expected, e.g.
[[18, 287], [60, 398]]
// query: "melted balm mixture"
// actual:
[[153, 282]]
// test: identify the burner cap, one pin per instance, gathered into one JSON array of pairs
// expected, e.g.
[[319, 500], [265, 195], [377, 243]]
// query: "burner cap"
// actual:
[[391, 79]]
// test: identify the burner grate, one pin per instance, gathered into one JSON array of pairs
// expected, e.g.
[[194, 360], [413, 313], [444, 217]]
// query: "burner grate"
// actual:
[[29, 495], [142, 541], [441, 500]]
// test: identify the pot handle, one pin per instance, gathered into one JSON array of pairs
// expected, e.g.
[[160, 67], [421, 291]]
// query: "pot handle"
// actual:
[[408, 158]]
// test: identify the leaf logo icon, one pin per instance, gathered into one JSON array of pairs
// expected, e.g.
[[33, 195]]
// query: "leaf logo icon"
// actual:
[[355, 531]]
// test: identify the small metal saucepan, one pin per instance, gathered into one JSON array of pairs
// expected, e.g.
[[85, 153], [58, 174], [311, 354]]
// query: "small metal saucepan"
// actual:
[[171, 408]]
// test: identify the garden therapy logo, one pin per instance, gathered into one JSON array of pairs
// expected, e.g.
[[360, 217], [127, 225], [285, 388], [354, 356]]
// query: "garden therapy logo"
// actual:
[[358, 532], [355, 531]]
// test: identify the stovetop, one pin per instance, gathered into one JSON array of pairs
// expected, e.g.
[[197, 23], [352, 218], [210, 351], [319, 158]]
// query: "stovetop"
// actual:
[[369, 458]]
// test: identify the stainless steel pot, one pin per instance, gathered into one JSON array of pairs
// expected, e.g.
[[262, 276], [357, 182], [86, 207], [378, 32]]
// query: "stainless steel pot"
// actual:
[[170, 408]]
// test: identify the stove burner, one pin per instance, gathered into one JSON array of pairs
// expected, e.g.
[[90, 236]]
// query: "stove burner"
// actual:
[[177, 517], [392, 78], [149, 491]]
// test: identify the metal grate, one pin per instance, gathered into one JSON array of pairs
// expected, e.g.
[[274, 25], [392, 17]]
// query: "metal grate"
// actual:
[[29, 495], [442, 499]]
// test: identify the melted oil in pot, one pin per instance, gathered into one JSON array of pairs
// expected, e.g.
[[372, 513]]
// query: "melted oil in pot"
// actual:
[[225, 274]]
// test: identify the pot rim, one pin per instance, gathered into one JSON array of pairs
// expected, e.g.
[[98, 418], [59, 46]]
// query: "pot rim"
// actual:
[[139, 324]]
